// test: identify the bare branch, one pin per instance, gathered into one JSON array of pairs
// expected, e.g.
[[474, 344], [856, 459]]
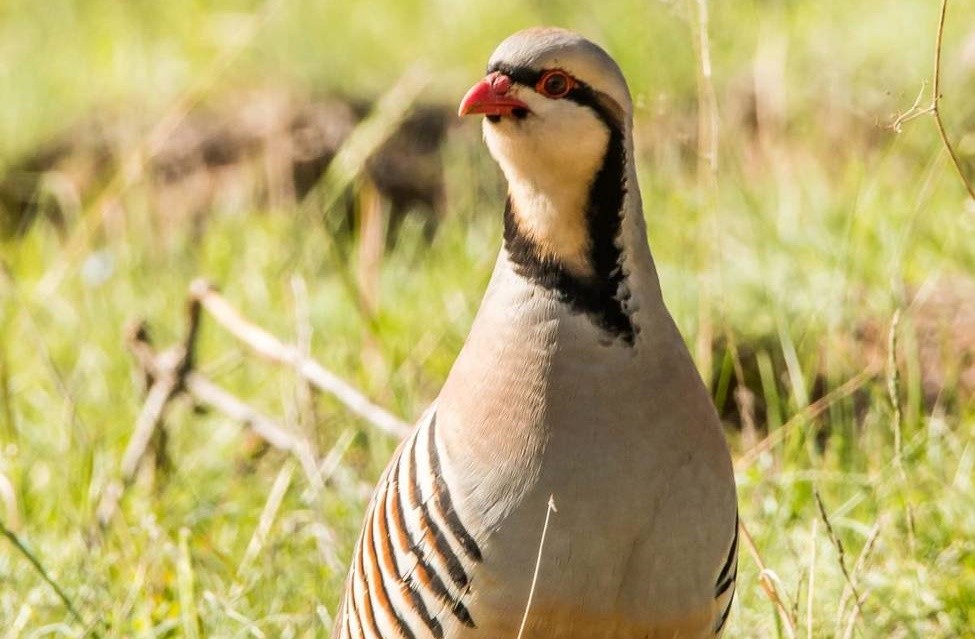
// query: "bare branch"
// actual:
[[168, 374], [210, 394], [206, 392], [271, 348]]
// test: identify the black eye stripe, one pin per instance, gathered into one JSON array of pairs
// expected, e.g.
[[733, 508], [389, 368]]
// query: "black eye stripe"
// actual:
[[581, 93], [521, 75]]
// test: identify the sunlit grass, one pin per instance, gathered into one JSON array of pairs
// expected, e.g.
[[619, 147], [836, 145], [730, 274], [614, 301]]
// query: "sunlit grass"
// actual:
[[825, 222]]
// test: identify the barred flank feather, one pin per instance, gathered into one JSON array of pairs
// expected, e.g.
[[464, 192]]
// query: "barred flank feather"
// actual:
[[724, 591], [412, 563]]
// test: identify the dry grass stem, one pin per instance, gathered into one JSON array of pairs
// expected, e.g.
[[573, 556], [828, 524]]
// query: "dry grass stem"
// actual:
[[259, 538], [840, 553], [390, 110], [936, 99], [811, 411], [861, 561], [769, 582], [303, 339], [538, 564], [707, 174], [8, 495], [185, 579], [39, 567], [893, 394], [893, 383], [810, 594]]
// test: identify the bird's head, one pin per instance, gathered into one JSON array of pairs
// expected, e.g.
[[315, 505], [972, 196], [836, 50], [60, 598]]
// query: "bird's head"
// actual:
[[551, 97], [557, 110]]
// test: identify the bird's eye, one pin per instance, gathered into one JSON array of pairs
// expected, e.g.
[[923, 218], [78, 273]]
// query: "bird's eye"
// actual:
[[554, 84]]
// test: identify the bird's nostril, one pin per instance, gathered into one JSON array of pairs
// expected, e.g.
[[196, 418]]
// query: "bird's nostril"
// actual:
[[501, 83]]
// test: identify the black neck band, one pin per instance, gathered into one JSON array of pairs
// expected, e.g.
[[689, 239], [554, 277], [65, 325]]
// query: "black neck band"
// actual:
[[604, 294]]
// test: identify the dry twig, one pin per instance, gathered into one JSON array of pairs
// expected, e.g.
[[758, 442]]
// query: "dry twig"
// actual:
[[170, 373], [166, 377], [207, 393], [271, 348]]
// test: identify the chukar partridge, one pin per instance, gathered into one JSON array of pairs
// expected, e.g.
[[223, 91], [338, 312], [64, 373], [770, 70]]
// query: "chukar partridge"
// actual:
[[574, 383]]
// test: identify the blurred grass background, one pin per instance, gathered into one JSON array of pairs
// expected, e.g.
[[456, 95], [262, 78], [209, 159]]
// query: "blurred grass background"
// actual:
[[823, 222]]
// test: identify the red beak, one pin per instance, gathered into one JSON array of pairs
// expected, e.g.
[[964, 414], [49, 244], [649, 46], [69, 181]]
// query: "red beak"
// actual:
[[490, 97]]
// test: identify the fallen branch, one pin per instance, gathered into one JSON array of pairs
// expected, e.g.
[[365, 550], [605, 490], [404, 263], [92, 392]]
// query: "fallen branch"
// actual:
[[271, 348], [166, 377], [212, 395], [170, 373]]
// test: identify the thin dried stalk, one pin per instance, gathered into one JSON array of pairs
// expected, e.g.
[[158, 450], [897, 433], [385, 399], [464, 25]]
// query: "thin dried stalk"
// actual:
[[812, 578], [935, 103], [893, 394], [840, 552], [811, 411], [39, 567], [861, 561], [259, 538], [185, 587], [8, 495], [768, 581], [538, 564], [707, 174]]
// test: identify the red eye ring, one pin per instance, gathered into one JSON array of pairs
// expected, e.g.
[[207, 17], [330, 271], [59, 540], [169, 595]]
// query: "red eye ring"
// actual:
[[555, 84]]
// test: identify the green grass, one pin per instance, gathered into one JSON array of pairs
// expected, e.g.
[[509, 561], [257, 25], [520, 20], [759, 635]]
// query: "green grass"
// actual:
[[823, 221]]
